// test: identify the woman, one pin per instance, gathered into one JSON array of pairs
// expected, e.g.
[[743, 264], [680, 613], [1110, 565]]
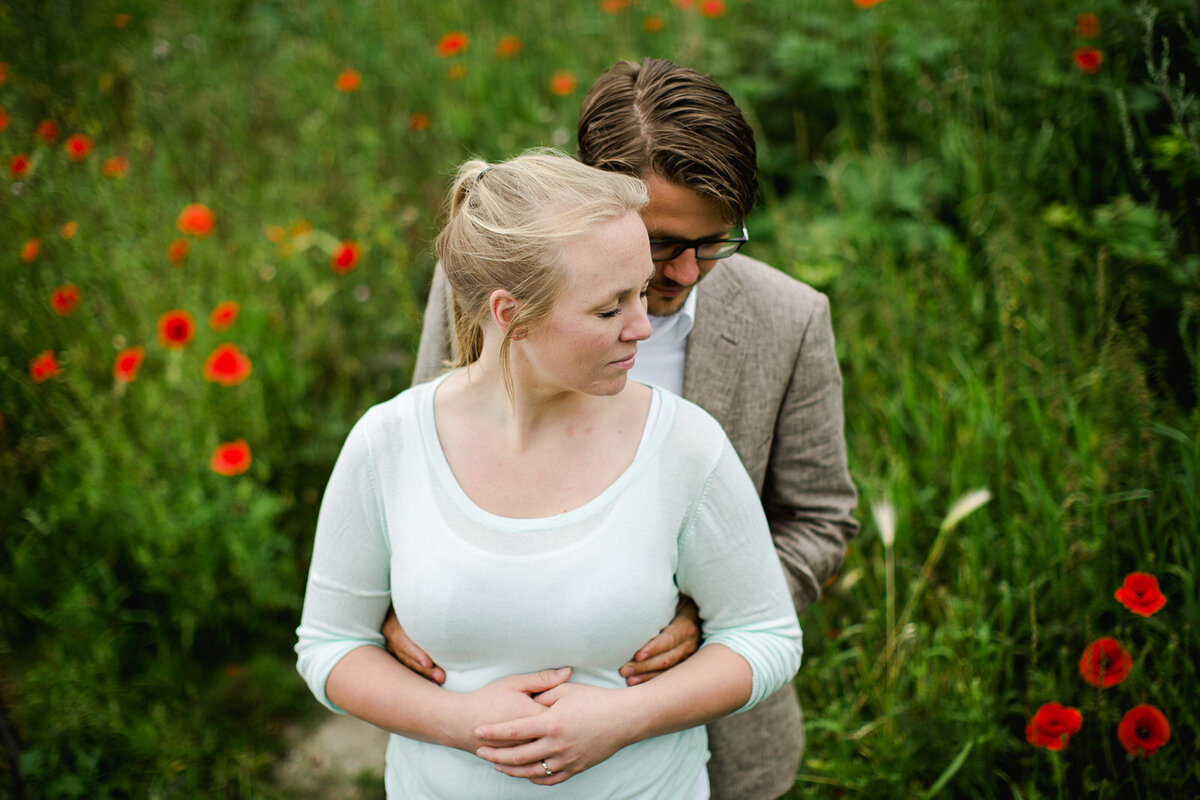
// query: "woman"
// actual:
[[533, 516]]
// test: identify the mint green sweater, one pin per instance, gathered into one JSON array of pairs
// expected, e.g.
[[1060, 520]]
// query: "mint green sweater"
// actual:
[[490, 596]]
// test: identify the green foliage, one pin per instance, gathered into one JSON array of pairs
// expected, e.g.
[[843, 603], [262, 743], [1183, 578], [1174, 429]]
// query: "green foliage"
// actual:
[[1012, 251]]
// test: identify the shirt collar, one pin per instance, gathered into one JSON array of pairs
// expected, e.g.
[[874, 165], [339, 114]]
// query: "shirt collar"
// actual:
[[676, 327]]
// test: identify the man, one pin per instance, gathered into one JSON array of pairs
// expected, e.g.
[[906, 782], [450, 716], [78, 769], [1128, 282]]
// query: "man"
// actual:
[[749, 344]]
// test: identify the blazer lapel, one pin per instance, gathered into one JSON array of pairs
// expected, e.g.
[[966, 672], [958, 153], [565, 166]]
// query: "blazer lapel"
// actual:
[[713, 364]]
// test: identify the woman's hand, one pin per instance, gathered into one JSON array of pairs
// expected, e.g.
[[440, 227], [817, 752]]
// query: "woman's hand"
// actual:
[[508, 698], [580, 726]]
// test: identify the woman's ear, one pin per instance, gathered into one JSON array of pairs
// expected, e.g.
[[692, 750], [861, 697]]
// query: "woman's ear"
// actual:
[[503, 308]]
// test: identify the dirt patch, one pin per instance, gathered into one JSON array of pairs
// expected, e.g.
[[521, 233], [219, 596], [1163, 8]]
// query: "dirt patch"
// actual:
[[341, 757]]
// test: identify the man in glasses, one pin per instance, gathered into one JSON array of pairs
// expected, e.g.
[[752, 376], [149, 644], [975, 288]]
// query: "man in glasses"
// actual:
[[750, 345]]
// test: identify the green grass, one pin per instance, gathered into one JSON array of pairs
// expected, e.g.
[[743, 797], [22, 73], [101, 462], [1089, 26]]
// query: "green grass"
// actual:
[[1010, 248]]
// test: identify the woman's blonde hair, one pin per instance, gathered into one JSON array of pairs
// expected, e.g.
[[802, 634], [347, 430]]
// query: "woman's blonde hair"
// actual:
[[506, 226]]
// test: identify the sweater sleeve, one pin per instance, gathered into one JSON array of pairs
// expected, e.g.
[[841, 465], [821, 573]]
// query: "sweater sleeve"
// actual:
[[728, 565], [348, 592]]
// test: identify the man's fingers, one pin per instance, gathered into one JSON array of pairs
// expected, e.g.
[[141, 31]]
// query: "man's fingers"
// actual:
[[634, 680], [407, 652], [681, 632], [659, 661]]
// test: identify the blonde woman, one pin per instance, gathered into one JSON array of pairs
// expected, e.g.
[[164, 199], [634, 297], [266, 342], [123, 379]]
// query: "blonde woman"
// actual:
[[533, 516]]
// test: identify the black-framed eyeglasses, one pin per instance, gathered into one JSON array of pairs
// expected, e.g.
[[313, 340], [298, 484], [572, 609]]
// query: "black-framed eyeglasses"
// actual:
[[706, 249]]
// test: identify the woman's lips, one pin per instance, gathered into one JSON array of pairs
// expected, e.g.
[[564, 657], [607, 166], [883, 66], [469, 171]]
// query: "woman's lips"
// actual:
[[625, 363]]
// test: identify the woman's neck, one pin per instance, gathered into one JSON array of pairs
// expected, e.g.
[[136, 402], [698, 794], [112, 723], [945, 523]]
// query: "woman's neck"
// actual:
[[479, 391]]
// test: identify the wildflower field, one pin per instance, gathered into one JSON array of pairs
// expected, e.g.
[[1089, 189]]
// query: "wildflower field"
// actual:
[[215, 230]]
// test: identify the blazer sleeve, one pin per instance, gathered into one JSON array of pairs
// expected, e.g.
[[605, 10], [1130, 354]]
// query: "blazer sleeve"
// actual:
[[807, 492], [436, 350]]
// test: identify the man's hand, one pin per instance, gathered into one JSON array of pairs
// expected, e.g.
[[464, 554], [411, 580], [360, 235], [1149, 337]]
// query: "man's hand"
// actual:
[[672, 646], [406, 651]]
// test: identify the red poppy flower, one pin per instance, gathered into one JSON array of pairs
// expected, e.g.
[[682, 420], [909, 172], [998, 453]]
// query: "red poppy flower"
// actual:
[[177, 251], [30, 250], [1088, 60], [18, 167], [196, 220], [452, 44], [508, 47], [64, 299], [224, 315], [44, 366], [613, 6], [712, 8], [4, 118], [231, 458], [227, 365], [1087, 25], [1143, 730], [116, 167], [78, 146], [47, 131], [67, 231], [176, 329], [1052, 726], [867, 3], [418, 121], [653, 24], [1105, 663], [127, 364], [1139, 593], [345, 257], [562, 83], [348, 80]]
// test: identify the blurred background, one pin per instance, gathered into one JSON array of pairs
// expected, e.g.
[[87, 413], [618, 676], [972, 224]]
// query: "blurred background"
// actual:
[[215, 241]]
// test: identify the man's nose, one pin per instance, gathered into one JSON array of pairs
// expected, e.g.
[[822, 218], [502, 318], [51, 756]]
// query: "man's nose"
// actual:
[[683, 269]]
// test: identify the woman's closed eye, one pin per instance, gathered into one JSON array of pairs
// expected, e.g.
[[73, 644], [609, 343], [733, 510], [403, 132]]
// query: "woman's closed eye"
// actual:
[[642, 295]]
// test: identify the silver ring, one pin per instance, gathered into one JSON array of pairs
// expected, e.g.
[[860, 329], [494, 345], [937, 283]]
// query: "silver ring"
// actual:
[[548, 770]]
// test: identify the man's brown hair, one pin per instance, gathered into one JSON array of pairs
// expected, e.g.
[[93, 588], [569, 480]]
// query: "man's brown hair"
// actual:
[[658, 117]]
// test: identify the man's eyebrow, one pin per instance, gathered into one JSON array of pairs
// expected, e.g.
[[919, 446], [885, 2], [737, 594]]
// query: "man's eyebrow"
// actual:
[[659, 236]]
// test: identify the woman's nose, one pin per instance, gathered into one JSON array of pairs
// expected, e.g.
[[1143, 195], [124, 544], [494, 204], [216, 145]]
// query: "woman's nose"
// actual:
[[638, 329]]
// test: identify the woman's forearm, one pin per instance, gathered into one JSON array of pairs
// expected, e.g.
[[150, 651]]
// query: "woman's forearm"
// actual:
[[371, 685], [712, 683]]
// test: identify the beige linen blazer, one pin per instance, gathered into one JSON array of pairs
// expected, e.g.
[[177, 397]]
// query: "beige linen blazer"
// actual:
[[760, 359]]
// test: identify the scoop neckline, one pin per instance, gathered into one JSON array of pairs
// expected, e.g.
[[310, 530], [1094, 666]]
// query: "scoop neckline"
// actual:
[[441, 468]]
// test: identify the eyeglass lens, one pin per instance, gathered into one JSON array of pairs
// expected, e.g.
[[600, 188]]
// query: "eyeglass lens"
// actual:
[[705, 250]]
